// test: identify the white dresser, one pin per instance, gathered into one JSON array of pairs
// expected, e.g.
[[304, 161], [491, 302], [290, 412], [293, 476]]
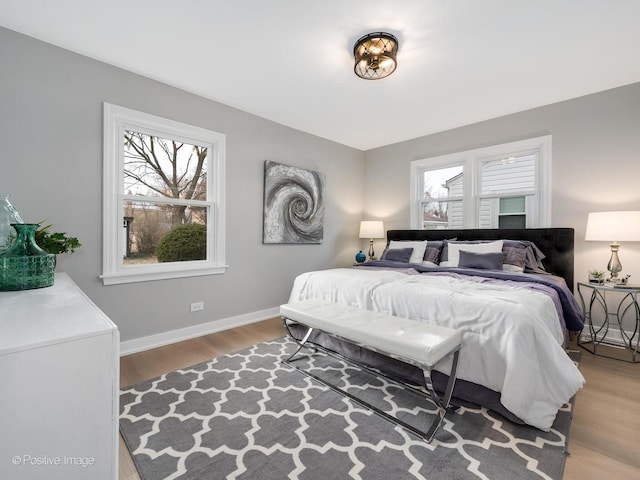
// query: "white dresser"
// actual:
[[59, 382]]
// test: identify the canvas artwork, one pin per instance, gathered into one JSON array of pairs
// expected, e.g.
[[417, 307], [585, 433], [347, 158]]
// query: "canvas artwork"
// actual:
[[293, 204]]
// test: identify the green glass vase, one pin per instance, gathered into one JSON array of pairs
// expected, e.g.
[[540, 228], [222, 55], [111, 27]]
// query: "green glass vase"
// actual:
[[25, 265]]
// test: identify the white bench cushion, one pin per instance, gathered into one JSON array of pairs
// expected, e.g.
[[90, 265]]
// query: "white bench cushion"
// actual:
[[418, 341]]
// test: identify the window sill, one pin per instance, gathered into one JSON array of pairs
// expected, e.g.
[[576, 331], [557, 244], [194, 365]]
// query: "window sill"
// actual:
[[138, 274]]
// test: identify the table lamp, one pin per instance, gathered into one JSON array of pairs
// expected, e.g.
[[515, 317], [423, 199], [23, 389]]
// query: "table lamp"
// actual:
[[371, 229], [613, 227]]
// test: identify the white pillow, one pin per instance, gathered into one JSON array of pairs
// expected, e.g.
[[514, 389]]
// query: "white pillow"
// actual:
[[418, 249], [454, 250]]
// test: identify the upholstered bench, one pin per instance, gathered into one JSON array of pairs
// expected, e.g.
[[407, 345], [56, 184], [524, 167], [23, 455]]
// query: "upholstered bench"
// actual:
[[417, 343]]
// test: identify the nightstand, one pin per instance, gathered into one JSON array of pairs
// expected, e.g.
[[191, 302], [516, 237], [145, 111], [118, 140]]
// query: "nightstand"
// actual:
[[612, 304]]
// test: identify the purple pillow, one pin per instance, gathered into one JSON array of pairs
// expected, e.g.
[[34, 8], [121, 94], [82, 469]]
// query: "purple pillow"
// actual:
[[514, 257], [398, 254], [484, 261], [532, 255], [434, 250]]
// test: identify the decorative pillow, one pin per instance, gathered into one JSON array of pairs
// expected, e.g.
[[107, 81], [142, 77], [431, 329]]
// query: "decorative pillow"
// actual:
[[455, 247], [444, 256], [534, 258], [532, 255], [433, 252], [485, 261], [418, 248], [514, 256], [397, 254]]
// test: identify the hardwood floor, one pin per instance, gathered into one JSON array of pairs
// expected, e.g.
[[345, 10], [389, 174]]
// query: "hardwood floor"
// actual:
[[603, 441]]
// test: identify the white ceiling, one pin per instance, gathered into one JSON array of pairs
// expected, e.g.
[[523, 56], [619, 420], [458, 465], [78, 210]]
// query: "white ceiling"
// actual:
[[290, 61]]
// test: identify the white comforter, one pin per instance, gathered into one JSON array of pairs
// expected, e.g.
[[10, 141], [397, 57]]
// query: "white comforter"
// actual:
[[511, 336]]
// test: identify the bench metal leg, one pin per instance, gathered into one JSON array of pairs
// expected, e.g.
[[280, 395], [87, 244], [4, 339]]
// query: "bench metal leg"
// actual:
[[442, 404], [391, 418], [301, 343]]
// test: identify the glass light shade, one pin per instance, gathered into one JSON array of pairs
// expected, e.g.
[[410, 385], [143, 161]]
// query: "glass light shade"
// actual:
[[371, 229], [613, 226], [375, 55]]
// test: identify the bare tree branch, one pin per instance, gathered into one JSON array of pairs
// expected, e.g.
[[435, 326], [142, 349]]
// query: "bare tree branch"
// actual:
[[156, 164]]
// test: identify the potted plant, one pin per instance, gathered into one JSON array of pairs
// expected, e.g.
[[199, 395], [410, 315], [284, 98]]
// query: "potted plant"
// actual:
[[596, 276], [55, 242]]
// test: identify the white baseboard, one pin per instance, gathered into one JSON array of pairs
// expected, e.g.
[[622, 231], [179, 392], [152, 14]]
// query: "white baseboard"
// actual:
[[165, 338], [614, 337]]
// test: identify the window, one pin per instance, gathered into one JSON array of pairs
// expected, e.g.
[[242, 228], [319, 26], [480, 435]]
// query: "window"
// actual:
[[512, 213], [163, 198], [503, 186], [442, 200]]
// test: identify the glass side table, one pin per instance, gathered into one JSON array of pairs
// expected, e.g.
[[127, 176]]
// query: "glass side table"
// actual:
[[611, 304]]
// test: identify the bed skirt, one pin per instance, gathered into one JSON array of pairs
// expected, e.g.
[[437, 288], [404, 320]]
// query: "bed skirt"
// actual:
[[464, 392]]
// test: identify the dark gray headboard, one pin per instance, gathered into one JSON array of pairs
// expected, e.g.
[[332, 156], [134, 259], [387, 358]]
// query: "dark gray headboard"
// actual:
[[555, 243]]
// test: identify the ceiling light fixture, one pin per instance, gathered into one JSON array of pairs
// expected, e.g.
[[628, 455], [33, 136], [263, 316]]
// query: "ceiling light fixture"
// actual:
[[375, 55]]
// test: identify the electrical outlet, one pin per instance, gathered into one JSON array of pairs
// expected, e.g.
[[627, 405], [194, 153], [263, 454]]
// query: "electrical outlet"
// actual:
[[197, 306]]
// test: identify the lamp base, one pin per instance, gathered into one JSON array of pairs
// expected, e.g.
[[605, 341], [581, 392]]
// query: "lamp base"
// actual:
[[614, 265], [372, 254]]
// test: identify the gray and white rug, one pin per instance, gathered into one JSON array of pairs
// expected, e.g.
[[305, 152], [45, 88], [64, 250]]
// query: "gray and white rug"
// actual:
[[246, 416]]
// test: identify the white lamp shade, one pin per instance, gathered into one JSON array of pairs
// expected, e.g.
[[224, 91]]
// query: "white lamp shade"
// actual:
[[371, 229], [613, 226]]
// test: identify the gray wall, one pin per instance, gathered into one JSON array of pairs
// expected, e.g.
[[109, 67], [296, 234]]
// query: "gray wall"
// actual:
[[596, 165], [51, 164]]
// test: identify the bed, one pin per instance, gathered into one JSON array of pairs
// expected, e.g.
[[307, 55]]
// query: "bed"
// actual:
[[510, 293]]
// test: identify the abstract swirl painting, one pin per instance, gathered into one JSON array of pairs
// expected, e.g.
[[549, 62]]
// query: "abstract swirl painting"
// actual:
[[293, 204]]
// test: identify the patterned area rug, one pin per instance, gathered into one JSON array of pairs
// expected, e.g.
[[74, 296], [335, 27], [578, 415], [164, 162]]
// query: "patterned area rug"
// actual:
[[246, 416]]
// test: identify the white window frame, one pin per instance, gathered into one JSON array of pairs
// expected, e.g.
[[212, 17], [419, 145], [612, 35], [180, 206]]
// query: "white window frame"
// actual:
[[539, 214], [118, 119]]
